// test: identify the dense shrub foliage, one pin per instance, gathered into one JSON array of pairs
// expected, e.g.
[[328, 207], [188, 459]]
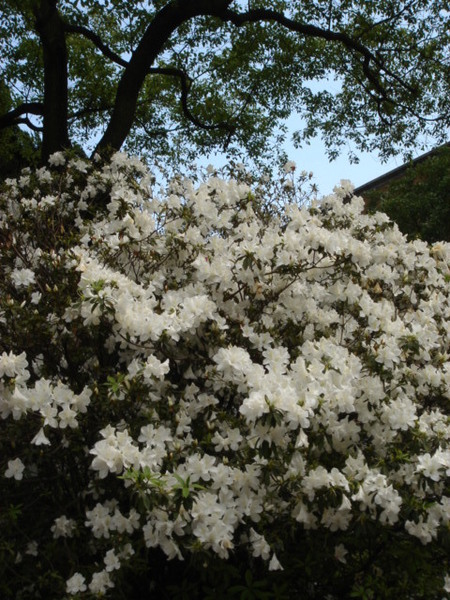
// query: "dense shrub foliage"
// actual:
[[209, 395], [419, 201]]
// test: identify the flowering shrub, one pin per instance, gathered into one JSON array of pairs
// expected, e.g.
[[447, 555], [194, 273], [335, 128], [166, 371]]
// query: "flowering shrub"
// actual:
[[207, 395]]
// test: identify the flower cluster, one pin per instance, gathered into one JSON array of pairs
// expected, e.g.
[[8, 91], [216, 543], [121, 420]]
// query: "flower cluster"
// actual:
[[205, 374]]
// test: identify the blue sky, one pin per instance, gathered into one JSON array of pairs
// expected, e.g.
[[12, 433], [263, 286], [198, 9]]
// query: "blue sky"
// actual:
[[328, 174]]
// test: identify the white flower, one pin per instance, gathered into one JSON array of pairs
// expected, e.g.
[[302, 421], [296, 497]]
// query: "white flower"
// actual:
[[48, 201], [344, 188], [231, 439], [75, 584], [63, 527], [302, 515], [280, 366], [336, 519], [57, 159], [260, 546], [126, 551], [40, 439], [100, 521], [339, 553], [114, 453], [15, 469], [447, 583], [400, 413], [424, 530], [22, 277], [12, 364], [100, 582], [232, 359], [49, 412], [67, 418], [289, 166], [112, 561], [274, 564], [155, 368], [254, 406], [430, 466], [32, 548]]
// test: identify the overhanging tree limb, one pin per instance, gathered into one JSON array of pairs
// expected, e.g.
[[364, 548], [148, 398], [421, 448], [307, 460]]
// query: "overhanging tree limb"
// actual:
[[13, 117], [353, 44], [394, 74], [185, 86], [97, 41], [170, 71], [177, 12], [26, 121], [166, 21]]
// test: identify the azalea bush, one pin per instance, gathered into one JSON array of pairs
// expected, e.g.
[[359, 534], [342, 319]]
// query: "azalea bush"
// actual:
[[208, 394]]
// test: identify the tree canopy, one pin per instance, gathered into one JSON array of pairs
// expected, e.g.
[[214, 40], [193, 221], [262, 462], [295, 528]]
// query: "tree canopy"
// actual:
[[182, 77]]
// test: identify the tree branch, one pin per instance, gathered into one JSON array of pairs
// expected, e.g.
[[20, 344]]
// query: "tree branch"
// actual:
[[13, 117], [173, 72], [152, 133], [97, 41], [89, 110], [177, 12], [165, 22], [390, 19], [352, 44], [185, 82], [26, 121]]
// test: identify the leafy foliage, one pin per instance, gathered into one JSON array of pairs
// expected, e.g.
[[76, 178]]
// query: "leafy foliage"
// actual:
[[419, 202], [230, 73]]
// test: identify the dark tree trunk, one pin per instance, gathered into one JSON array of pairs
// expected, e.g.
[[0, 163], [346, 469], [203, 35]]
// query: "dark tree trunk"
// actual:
[[50, 27], [157, 34]]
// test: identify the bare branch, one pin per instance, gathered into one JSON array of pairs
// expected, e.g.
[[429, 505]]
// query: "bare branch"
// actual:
[[26, 121], [97, 41], [13, 117]]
